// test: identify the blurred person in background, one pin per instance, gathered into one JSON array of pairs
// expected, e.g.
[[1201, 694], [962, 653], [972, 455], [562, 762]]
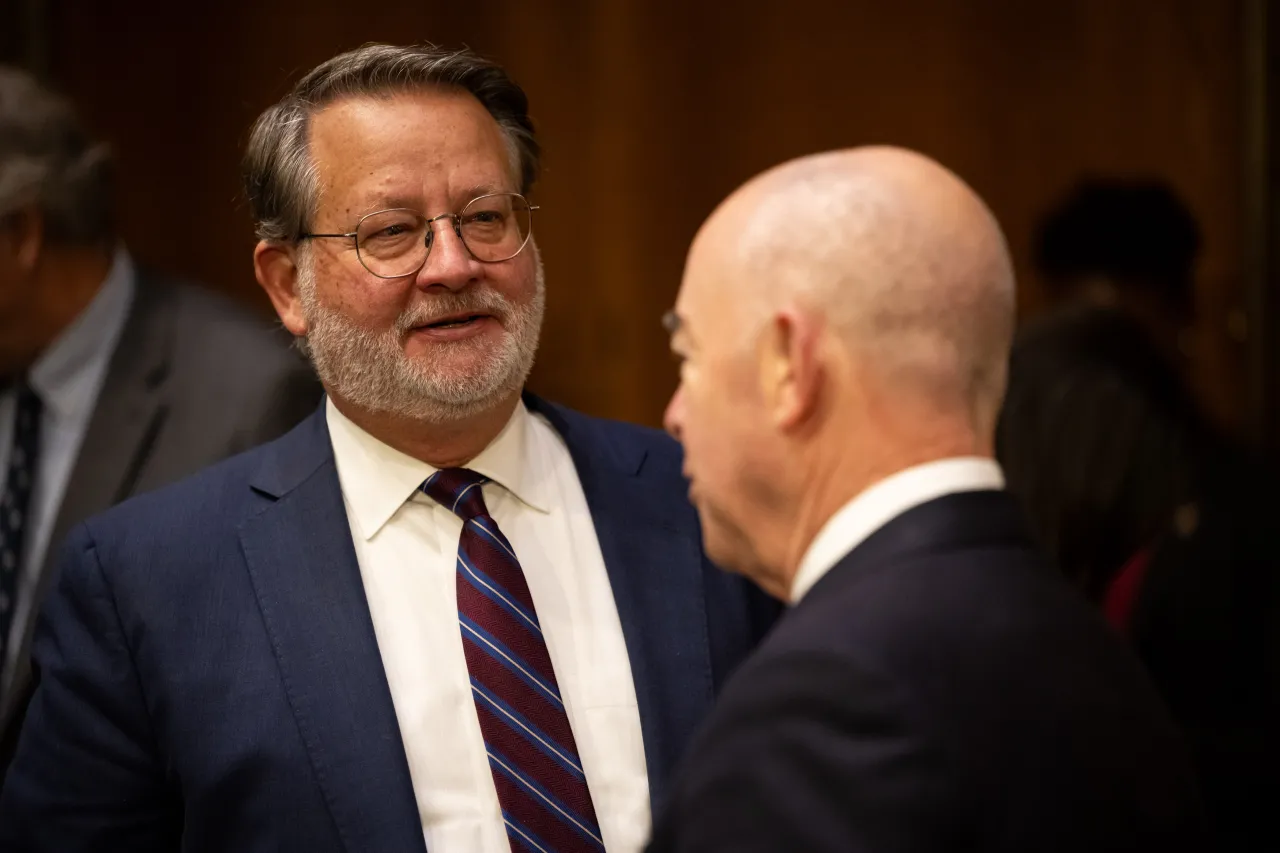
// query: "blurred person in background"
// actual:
[[113, 379], [1170, 528], [441, 613], [843, 329], [1128, 244]]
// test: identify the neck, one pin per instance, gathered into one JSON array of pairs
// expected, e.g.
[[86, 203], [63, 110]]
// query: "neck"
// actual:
[[59, 290], [834, 476], [441, 445]]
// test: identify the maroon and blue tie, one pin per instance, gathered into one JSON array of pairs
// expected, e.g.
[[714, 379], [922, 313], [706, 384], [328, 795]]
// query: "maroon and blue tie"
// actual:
[[542, 789]]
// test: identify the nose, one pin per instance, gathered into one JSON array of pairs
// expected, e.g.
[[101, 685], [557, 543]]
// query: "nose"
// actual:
[[673, 418], [449, 264]]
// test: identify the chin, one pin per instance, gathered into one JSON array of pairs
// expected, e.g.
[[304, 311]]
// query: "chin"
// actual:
[[723, 545]]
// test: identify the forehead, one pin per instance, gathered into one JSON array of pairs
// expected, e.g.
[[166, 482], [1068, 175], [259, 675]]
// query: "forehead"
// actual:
[[701, 298], [423, 147]]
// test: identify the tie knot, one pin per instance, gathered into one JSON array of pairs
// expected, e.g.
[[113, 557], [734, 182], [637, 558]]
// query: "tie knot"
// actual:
[[457, 490]]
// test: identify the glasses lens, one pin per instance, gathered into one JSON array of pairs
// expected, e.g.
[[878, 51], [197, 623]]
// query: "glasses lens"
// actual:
[[496, 227], [392, 242]]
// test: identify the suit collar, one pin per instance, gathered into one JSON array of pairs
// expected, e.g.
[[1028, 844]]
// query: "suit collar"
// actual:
[[885, 500], [292, 458], [603, 447], [956, 522], [377, 479]]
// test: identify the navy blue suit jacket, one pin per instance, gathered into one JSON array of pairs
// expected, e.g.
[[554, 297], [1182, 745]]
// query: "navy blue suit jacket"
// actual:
[[940, 689], [209, 678]]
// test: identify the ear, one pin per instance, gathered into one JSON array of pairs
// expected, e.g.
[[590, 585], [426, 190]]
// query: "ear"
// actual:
[[790, 375], [277, 271]]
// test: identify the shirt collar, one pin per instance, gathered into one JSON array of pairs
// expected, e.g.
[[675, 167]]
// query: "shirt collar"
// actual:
[[877, 505], [74, 362], [377, 479]]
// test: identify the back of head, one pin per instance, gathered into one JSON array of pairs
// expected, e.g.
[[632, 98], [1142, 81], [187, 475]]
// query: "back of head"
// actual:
[[1098, 438], [905, 263], [49, 163], [1137, 236]]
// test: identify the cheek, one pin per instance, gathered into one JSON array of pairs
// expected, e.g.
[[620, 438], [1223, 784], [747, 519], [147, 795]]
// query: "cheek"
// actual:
[[516, 279], [362, 298], [703, 425]]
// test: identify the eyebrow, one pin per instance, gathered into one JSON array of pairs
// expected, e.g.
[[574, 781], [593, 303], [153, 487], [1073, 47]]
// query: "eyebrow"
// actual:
[[391, 202], [482, 189], [398, 200]]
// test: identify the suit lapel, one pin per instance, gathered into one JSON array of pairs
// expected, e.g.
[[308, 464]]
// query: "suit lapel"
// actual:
[[303, 567], [651, 551], [130, 410]]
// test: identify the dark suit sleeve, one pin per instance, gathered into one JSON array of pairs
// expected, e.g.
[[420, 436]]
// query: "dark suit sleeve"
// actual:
[[86, 774], [811, 752]]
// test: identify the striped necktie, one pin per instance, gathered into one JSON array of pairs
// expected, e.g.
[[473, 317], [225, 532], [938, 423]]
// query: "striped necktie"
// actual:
[[533, 758], [15, 500]]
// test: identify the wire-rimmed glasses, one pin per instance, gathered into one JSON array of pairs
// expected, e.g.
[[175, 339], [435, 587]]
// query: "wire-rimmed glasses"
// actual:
[[395, 243]]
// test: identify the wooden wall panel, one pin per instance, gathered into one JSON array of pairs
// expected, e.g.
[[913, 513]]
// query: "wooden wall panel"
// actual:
[[652, 110]]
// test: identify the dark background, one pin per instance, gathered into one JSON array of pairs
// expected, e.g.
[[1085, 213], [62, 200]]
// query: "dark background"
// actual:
[[651, 111]]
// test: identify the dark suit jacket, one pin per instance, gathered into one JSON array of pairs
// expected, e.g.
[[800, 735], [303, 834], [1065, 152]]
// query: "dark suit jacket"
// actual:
[[1206, 623], [193, 379], [940, 689], [211, 678]]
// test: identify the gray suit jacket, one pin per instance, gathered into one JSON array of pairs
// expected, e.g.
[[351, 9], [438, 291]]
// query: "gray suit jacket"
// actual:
[[194, 379]]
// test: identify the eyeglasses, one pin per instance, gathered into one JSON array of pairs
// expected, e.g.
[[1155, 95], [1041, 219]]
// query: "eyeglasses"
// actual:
[[395, 243]]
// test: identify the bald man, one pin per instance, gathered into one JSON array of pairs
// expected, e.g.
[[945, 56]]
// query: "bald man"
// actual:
[[844, 324]]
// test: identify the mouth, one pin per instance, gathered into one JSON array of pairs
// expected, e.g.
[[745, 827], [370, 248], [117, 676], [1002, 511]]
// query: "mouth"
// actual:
[[454, 321], [455, 327]]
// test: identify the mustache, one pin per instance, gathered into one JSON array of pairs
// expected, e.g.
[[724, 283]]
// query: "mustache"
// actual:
[[447, 305]]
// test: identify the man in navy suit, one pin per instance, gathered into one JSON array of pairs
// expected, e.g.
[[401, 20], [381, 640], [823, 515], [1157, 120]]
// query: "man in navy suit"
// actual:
[[844, 327], [437, 614]]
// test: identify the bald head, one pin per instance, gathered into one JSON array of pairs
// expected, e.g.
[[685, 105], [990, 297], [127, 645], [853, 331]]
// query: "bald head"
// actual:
[[899, 257], [842, 318]]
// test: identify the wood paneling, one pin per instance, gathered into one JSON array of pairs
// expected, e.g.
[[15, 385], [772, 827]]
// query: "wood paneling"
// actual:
[[652, 110]]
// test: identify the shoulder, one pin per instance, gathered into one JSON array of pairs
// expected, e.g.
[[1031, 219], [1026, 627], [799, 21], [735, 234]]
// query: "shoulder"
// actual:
[[623, 441], [914, 612], [212, 333], [186, 516]]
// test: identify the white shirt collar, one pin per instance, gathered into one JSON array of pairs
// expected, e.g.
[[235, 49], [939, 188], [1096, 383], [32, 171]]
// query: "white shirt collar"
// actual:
[[72, 364], [879, 504], [377, 479]]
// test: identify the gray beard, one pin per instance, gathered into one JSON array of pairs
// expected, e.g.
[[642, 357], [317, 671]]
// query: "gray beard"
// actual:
[[370, 370]]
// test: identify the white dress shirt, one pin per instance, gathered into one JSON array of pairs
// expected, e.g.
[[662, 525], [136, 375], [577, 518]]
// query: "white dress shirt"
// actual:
[[884, 501], [67, 377], [407, 547]]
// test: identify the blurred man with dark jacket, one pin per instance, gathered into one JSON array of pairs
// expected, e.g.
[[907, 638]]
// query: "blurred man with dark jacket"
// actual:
[[1169, 527], [113, 380]]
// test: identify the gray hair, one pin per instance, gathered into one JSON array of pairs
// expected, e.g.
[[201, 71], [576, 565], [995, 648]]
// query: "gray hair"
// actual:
[[48, 161], [279, 175]]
